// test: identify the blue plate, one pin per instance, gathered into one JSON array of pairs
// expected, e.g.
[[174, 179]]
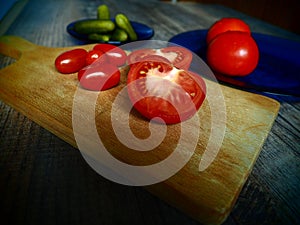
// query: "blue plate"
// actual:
[[143, 32], [278, 70]]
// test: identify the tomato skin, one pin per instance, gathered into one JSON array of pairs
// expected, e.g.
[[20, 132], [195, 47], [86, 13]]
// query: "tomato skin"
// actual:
[[233, 53], [99, 77], [160, 91], [95, 56], [114, 54], [224, 25], [71, 61], [180, 57]]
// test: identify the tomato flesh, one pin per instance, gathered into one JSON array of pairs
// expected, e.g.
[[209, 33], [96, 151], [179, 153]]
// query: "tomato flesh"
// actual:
[[233, 53], [227, 24], [71, 61], [160, 91], [99, 77], [137, 55], [178, 56]]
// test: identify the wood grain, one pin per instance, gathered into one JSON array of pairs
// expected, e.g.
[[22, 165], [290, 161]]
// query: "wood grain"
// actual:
[[33, 86], [44, 180]]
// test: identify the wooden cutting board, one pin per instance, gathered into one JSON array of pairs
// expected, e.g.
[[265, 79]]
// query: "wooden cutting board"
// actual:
[[229, 141]]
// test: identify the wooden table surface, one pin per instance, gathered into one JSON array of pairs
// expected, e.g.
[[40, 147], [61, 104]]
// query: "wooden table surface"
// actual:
[[44, 180]]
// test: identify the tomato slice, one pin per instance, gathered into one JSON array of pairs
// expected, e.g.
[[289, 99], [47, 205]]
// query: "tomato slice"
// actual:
[[160, 91], [180, 57], [137, 55], [114, 54], [71, 61], [153, 58], [99, 76]]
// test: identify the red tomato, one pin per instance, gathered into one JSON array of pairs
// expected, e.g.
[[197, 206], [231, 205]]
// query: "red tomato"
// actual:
[[115, 55], [156, 58], [160, 91], [95, 56], [233, 53], [153, 58], [99, 77], [180, 57], [71, 61], [137, 55], [226, 24]]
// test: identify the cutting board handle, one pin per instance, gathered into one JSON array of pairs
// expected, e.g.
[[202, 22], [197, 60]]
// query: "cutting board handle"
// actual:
[[14, 46]]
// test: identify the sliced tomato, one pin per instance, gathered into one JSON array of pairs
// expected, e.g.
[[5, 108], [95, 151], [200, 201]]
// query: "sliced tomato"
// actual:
[[153, 58], [99, 76], [160, 91], [114, 54], [137, 55], [180, 57]]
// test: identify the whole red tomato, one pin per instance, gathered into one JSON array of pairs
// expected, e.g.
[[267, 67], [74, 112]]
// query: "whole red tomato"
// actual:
[[160, 91], [99, 76], [226, 24], [71, 61], [114, 54], [233, 53], [95, 56]]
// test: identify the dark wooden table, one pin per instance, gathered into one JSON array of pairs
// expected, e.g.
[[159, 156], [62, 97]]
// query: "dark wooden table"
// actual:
[[44, 180]]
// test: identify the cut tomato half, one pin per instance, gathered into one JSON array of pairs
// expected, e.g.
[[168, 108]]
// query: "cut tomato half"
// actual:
[[179, 57], [160, 91]]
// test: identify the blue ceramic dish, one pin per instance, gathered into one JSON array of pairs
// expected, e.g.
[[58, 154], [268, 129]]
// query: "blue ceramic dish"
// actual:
[[278, 70], [143, 32]]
